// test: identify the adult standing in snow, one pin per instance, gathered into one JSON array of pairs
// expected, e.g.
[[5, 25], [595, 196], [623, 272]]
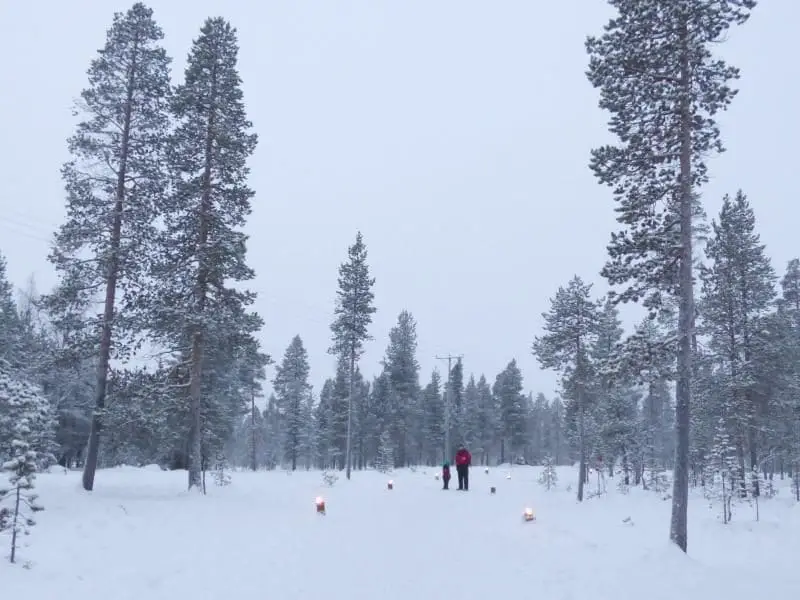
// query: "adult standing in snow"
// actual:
[[463, 463]]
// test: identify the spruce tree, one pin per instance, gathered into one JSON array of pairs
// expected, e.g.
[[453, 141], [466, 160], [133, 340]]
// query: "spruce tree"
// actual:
[[291, 392], [738, 294], [350, 329], [10, 325], [202, 248], [507, 391], [663, 86], [570, 332], [402, 368], [433, 407], [113, 183], [488, 418]]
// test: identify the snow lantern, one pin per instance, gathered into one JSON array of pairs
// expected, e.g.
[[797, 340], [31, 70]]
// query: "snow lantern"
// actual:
[[436, 477], [390, 485], [486, 470], [492, 490], [508, 476], [528, 515], [320, 503]]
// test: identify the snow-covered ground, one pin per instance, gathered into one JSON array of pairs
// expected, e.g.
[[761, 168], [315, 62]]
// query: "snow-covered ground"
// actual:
[[139, 536]]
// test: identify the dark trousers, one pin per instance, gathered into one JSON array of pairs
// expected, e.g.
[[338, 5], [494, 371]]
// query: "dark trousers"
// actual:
[[463, 477], [446, 483]]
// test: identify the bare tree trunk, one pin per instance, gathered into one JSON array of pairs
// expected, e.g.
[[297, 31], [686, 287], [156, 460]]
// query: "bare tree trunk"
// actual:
[[582, 444], [198, 341], [195, 447], [104, 359], [350, 413], [253, 461], [680, 490]]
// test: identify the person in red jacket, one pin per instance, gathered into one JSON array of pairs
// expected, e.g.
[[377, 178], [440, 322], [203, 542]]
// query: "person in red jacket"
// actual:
[[463, 463]]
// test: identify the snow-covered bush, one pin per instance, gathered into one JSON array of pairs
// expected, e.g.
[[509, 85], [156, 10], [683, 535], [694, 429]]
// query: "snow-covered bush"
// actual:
[[385, 459], [548, 477], [25, 427]]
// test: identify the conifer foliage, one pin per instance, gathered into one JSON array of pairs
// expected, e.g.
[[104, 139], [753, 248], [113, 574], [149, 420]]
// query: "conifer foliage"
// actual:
[[663, 86], [570, 332], [24, 415], [201, 249], [113, 183], [350, 328]]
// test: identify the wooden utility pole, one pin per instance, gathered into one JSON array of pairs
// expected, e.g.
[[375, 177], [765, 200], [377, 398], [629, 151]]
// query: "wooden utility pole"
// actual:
[[449, 358]]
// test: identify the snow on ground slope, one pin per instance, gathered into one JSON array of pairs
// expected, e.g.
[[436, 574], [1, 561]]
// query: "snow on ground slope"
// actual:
[[139, 536]]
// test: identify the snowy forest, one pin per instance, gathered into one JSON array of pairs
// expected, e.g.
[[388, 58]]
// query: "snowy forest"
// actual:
[[148, 352]]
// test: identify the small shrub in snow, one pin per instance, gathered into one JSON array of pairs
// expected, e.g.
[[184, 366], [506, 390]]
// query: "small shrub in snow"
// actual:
[[222, 471], [657, 481], [548, 477], [329, 478], [385, 459]]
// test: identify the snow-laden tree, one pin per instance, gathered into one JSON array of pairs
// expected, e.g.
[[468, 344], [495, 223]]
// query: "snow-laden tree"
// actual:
[[10, 325], [25, 421], [433, 410], [202, 250], [384, 461], [291, 392], [548, 478], [402, 368], [738, 294], [113, 183], [570, 332], [723, 469], [508, 394], [487, 421], [350, 328], [662, 84]]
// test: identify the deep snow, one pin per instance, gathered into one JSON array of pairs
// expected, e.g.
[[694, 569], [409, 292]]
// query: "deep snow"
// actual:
[[139, 536]]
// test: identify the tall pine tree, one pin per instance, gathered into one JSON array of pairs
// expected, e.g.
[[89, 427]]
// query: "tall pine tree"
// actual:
[[737, 296], [202, 248], [400, 364], [113, 183], [570, 332], [350, 329], [662, 84], [291, 392]]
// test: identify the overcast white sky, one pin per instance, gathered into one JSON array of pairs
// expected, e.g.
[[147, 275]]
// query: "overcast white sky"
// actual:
[[455, 135]]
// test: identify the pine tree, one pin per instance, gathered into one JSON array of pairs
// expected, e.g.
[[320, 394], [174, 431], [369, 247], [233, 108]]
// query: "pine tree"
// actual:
[[402, 368], [549, 476], [513, 416], [354, 310], [384, 462], [433, 407], [737, 297], [113, 182], [202, 248], [663, 86], [291, 392], [570, 332], [10, 325], [469, 425], [488, 419], [25, 420]]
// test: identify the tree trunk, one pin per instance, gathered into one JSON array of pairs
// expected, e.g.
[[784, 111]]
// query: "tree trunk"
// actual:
[[680, 490], [104, 359], [253, 461], [348, 442], [198, 341], [582, 444], [195, 412]]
